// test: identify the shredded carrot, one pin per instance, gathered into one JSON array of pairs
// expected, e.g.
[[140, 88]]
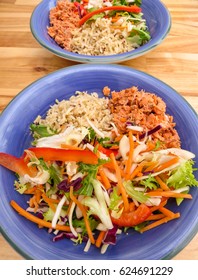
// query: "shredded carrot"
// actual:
[[99, 178], [33, 203], [137, 170], [166, 164], [48, 201], [155, 217], [170, 194], [120, 184], [155, 208], [116, 18], [161, 183], [30, 190], [159, 222], [104, 179], [150, 146], [35, 219], [150, 166], [118, 138], [130, 156], [115, 147], [100, 238], [167, 212], [38, 195], [81, 206]]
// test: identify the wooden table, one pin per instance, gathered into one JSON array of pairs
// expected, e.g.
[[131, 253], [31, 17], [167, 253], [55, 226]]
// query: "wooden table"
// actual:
[[23, 60]]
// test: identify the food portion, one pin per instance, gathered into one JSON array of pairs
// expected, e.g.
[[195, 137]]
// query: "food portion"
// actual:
[[98, 27], [100, 167], [146, 112]]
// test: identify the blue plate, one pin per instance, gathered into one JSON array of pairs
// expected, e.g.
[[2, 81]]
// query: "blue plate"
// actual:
[[158, 22], [31, 242]]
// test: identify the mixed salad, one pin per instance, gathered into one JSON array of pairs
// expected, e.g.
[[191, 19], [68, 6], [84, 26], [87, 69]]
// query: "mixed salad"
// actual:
[[88, 187], [124, 14], [98, 27]]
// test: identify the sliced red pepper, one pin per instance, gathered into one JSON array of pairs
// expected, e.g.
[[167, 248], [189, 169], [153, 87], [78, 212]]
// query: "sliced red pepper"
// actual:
[[106, 151], [53, 154], [133, 218], [130, 9], [18, 165]]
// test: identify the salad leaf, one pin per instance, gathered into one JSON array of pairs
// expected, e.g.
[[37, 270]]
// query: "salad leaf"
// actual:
[[48, 215], [106, 142], [127, 3], [91, 171], [91, 135], [41, 131], [183, 176], [150, 183], [101, 15], [138, 36], [140, 226], [139, 196], [97, 205], [55, 175], [114, 200], [138, 2], [81, 224], [21, 188]]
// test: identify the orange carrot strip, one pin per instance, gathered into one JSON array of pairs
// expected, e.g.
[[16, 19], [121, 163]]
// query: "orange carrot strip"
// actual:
[[151, 166], [100, 238], [34, 190], [30, 190], [55, 201], [38, 195], [130, 157], [36, 220], [155, 217], [167, 212], [109, 165], [120, 184], [33, 203], [80, 205], [166, 164], [118, 138], [170, 194], [48, 201], [104, 178], [137, 170], [161, 183], [150, 147], [159, 222], [162, 204], [116, 18], [115, 147]]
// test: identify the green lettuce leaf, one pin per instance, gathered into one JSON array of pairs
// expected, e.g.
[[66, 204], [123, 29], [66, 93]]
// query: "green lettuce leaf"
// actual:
[[183, 176]]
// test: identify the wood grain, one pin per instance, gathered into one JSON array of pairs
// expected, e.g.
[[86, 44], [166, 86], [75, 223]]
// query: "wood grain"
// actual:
[[23, 60]]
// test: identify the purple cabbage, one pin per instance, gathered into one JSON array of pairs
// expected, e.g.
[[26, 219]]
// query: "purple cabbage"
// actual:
[[68, 235], [110, 237], [155, 129], [147, 173], [65, 185]]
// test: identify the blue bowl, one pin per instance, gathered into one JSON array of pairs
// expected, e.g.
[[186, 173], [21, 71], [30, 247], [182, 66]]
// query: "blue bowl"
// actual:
[[158, 22], [163, 242]]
